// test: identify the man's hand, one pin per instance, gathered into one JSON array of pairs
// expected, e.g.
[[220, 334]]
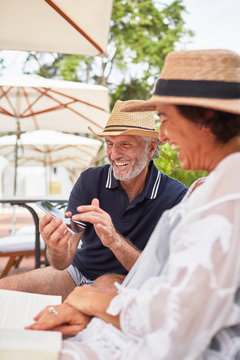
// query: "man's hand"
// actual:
[[101, 220], [124, 251], [68, 320], [61, 244]]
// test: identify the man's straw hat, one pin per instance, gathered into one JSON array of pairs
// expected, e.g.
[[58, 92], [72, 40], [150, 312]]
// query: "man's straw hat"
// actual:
[[120, 123], [205, 78]]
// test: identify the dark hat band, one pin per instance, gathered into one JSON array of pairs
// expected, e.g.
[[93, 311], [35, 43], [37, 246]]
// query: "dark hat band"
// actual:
[[126, 127], [198, 89]]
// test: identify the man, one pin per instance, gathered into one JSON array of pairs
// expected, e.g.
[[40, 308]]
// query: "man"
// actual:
[[119, 205]]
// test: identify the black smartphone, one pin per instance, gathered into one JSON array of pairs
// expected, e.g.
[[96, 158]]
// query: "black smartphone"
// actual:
[[73, 226]]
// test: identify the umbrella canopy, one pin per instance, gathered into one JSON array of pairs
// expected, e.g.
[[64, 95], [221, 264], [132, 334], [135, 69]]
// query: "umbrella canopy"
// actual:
[[70, 27], [51, 148], [31, 103]]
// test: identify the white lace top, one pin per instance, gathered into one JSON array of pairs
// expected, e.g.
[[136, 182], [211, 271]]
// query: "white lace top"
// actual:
[[180, 300]]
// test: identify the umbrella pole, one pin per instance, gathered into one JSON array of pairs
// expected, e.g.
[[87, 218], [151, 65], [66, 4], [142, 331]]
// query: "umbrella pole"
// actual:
[[46, 174], [13, 227], [18, 134], [16, 161]]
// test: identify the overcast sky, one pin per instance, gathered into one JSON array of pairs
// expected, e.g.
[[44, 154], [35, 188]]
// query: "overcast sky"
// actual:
[[216, 24]]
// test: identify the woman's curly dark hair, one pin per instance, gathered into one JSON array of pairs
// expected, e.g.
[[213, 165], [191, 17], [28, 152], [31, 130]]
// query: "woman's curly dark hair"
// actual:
[[222, 124]]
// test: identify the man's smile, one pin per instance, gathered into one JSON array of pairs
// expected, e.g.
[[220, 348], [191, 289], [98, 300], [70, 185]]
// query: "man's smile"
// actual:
[[121, 163]]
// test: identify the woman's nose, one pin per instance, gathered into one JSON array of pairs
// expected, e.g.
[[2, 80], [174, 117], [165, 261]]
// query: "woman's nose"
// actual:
[[163, 134]]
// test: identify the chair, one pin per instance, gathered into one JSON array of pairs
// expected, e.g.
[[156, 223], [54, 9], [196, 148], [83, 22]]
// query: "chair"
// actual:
[[15, 247]]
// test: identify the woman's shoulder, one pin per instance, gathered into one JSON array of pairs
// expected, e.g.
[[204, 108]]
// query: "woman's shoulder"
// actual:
[[231, 161]]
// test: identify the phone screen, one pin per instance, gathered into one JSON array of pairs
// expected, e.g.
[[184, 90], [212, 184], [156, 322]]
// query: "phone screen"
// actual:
[[73, 226]]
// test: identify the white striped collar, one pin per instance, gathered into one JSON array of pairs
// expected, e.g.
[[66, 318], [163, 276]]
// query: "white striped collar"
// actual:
[[152, 190], [109, 178], [156, 186]]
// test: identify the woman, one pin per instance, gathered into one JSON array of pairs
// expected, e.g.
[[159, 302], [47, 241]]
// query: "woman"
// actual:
[[181, 300]]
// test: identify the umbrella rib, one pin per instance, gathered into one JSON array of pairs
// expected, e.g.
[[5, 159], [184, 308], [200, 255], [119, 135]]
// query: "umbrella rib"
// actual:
[[5, 112], [58, 107], [78, 100], [5, 94], [42, 93], [68, 97], [63, 105], [30, 107], [60, 148], [74, 25]]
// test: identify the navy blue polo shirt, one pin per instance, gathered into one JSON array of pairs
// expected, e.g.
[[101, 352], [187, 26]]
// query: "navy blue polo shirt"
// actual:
[[135, 221]]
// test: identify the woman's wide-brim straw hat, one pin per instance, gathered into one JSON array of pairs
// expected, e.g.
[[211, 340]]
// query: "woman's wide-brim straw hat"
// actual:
[[134, 123], [205, 78]]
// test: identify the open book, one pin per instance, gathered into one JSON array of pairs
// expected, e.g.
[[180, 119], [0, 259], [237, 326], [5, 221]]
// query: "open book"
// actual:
[[17, 311]]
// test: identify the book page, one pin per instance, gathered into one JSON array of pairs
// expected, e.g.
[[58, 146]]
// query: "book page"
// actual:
[[29, 345], [30, 339], [19, 308]]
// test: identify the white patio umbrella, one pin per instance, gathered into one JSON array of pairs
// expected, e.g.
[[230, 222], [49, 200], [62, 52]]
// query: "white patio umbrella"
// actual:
[[63, 26], [31, 102], [51, 149]]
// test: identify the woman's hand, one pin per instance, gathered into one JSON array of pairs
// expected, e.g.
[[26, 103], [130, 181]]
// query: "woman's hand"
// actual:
[[93, 302], [67, 319]]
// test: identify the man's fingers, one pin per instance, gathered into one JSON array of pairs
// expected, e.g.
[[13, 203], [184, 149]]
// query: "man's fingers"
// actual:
[[68, 214], [50, 227], [95, 202], [95, 206], [45, 221]]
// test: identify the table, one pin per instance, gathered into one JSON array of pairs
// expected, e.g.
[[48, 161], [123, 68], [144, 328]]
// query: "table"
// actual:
[[26, 203]]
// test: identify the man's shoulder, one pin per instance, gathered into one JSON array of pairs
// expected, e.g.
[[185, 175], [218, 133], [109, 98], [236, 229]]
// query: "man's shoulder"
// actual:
[[90, 184], [164, 179], [172, 189], [169, 181]]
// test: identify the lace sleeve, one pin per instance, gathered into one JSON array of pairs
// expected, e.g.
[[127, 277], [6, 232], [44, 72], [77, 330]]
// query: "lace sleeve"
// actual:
[[175, 315]]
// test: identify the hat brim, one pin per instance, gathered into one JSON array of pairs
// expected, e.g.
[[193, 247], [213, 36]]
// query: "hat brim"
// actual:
[[232, 106], [138, 132]]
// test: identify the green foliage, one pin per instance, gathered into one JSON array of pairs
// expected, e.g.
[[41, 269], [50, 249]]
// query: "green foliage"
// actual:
[[68, 67], [144, 31], [135, 89], [169, 164]]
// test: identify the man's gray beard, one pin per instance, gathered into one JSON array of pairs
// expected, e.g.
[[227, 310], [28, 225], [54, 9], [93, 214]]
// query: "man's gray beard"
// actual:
[[134, 171]]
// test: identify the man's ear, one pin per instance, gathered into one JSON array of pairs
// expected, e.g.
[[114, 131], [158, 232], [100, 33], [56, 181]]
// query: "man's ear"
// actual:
[[152, 147]]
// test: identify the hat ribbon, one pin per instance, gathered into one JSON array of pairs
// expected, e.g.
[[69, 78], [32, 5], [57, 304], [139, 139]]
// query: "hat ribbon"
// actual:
[[198, 88], [119, 127]]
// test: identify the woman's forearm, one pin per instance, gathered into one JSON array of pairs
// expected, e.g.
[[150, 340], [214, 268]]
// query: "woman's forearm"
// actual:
[[100, 309], [92, 302]]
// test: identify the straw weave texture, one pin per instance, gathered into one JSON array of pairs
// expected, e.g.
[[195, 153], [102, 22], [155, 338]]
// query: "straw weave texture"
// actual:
[[133, 123]]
